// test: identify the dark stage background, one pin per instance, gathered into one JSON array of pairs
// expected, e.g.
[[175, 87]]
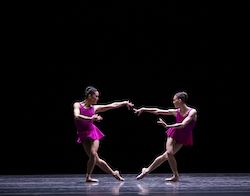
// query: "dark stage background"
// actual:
[[142, 51]]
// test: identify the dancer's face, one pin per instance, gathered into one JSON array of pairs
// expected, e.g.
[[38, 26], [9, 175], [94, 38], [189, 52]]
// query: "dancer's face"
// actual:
[[94, 98], [176, 102]]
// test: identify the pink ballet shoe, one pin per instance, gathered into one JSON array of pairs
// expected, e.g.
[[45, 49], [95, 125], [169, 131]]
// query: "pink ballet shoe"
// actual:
[[173, 179], [117, 176], [89, 179], [143, 174]]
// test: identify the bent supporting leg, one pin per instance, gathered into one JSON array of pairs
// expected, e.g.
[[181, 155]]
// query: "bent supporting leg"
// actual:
[[92, 147], [173, 147], [173, 165]]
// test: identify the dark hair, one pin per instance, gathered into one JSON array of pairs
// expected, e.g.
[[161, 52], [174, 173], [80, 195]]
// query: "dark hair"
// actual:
[[183, 96], [90, 90]]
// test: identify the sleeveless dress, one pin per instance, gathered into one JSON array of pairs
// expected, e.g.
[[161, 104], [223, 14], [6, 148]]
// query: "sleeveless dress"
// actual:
[[86, 129], [185, 135]]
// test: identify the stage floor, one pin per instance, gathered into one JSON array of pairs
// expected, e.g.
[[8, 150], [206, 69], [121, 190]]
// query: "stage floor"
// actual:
[[226, 184]]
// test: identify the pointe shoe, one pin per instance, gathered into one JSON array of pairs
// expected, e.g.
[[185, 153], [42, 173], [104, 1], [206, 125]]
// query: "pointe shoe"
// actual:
[[143, 174], [117, 176]]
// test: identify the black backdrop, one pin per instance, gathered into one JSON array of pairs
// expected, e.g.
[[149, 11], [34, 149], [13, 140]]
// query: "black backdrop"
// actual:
[[138, 51]]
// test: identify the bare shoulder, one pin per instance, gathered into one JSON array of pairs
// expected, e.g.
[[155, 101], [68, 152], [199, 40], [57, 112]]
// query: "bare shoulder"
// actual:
[[193, 114], [193, 111], [76, 105]]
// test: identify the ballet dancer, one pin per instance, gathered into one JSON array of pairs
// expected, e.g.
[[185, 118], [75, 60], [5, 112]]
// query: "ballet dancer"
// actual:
[[178, 134], [85, 113]]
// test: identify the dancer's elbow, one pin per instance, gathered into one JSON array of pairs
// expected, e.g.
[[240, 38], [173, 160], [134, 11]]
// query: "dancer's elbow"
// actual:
[[180, 125], [77, 117]]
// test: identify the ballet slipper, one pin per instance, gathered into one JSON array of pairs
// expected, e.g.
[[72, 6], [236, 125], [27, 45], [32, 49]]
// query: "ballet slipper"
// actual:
[[173, 179], [144, 172], [89, 179], [117, 176]]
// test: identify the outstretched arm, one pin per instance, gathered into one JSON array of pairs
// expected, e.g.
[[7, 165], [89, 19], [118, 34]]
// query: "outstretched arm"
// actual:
[[103, 108], [156, 111], [78, 116]]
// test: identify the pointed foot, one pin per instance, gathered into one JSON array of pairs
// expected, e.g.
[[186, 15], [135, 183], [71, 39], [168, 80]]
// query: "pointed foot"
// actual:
[[117, 176], [144, 172]]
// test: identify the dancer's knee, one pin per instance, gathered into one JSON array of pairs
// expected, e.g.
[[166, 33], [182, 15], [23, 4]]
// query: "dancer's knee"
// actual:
[[93, 155], [169, 152], [164, 156]]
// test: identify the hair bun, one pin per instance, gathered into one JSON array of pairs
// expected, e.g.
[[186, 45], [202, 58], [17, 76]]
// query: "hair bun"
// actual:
[[183, 96], [89, 90]]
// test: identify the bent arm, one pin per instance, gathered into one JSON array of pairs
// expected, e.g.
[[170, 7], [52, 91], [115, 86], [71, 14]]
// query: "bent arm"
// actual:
[[78, 116], [103, 108], [191, 116]]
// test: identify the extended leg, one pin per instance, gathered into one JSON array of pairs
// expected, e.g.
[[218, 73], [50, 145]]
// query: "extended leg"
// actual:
[[156, 163], [162, 158], [91, 148], [105, 167]]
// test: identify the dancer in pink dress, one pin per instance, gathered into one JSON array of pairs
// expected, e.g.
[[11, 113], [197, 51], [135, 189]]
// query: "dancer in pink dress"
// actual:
[[85, 113], [179, 134]]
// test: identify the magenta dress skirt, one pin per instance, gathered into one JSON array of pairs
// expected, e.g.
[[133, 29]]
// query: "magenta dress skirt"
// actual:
[[86, 129], [94, 134], [182, 138], [185, 135]]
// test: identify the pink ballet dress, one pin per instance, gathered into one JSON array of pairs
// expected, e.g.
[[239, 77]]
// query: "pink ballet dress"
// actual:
[[86, 129], [185, 135]]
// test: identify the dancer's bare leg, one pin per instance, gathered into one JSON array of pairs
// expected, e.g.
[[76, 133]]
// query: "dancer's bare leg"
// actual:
[[105, 167], [91, 147], [173, 165], [172, 147], [157, 162]]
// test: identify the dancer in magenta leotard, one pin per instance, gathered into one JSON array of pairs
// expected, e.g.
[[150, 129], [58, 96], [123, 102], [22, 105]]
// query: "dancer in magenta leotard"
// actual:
[[179, 134], [85, 113]]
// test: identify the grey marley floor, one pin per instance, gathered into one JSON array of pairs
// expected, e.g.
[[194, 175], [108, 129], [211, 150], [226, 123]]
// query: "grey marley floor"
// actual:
[[226, 184]]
